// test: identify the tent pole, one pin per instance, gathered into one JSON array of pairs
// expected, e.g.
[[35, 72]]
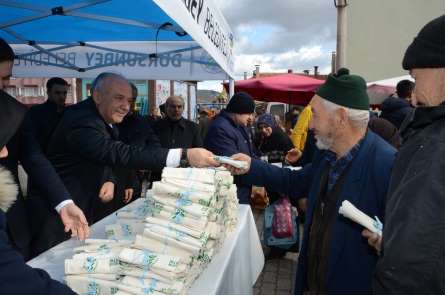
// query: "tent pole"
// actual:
[[231, 88]]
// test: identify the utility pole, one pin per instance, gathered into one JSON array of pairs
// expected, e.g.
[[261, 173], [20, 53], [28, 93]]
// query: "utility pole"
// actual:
[[341, 33]]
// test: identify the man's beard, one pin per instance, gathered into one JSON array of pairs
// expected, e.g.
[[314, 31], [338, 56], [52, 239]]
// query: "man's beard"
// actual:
[[324, 143]]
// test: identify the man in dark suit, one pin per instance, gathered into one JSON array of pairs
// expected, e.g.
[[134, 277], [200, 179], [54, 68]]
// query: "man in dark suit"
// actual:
[[86, 142], [174, 131], [354, 164], [15, 276], [23, 146], [46, 116]]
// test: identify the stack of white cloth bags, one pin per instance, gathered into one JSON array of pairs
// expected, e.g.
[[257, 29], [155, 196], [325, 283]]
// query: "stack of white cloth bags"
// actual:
[[163, 242]]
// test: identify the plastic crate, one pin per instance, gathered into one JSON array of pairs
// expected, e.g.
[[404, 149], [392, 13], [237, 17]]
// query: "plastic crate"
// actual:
[[290, 243]]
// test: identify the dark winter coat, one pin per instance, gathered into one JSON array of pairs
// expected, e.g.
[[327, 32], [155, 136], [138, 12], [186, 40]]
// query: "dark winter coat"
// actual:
[[181, 134], [395, 110], [351, 262], [413, 260], [226, 138], [23, 146], [15, 276], [275, 146]]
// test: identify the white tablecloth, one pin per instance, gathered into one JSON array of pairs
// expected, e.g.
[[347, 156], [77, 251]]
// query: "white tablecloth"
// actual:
[[233, 270]]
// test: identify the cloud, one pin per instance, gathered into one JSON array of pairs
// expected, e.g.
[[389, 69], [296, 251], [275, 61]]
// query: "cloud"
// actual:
[[281, 35]]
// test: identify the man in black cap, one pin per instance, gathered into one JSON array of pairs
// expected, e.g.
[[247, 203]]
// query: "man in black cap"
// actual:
[[228, 135], [413, 252], [22, 146], [354, 164]]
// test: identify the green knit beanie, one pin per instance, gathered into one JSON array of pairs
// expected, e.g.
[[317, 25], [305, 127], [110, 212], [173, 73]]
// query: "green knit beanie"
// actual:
[[345, 90]]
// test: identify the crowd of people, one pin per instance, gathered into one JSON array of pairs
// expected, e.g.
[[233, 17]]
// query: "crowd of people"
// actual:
[[86, 161]]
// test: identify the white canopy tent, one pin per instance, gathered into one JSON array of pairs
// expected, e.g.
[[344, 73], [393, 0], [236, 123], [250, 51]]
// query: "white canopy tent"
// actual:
[[141, 39]]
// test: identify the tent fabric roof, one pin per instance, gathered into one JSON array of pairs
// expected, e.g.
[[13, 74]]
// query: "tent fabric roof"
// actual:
[[82, 24], [56, 28], [286, 88]]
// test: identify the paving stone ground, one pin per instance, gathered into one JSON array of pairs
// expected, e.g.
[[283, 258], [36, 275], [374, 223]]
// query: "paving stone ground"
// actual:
[[277, 277]]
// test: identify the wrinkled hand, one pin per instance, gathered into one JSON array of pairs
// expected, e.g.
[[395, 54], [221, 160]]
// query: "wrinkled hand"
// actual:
[[106, 192], [199, 157], [239, 171], [293, 155], [128, 194], [374, 240], [74, 220]]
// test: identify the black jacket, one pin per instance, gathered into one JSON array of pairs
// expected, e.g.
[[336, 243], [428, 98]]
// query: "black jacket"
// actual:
[[45, 119], [275, 146], [133, 130], [24, 147], [395, 110], [181, 134], [84, 145], [15, 276], [413, 260]]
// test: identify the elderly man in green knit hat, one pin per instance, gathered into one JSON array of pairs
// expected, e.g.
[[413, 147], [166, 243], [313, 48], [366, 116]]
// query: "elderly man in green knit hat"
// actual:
[[353, 164]]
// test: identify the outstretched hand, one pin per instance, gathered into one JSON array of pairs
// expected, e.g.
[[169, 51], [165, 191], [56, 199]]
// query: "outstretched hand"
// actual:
[[199, 157], [239, 171], [74, 220], [293, 156]]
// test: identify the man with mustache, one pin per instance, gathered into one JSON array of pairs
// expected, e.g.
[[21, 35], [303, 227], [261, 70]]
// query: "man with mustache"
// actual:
[[354, 164]]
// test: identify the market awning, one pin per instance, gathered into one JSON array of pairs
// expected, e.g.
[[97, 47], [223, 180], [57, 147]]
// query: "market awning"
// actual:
[[142, 39], [286, 88]]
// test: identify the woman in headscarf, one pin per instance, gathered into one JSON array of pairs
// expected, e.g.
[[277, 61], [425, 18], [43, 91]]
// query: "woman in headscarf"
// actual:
[[271, 141]]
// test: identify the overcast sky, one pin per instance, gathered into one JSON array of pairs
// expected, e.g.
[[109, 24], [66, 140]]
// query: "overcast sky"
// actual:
[[280, 35]]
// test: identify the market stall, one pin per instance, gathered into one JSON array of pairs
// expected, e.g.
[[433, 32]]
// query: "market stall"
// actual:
[[232, 271]]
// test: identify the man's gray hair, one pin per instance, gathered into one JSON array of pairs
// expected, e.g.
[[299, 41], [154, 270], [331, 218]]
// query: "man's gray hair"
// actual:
[[358, 118], [170, 98], [99, 81]]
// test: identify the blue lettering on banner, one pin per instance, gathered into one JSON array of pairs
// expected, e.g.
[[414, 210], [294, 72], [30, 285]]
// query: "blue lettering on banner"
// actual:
[[97, 59]]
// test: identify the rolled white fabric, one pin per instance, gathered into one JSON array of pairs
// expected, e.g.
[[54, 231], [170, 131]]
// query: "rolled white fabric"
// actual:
[[350, 211], [102, 276], [136, 272], [179, 216], [166, 240], [163, 222], [180, 192], [231, 162], [202, 175], [87, 285], [177, 235], [153, 284], [197, 185], [92, 264], [191, 208], [149, 260], [157, 246]]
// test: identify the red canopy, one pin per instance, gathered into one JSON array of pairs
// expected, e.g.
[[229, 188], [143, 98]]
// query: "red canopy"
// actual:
[[287, 88]]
